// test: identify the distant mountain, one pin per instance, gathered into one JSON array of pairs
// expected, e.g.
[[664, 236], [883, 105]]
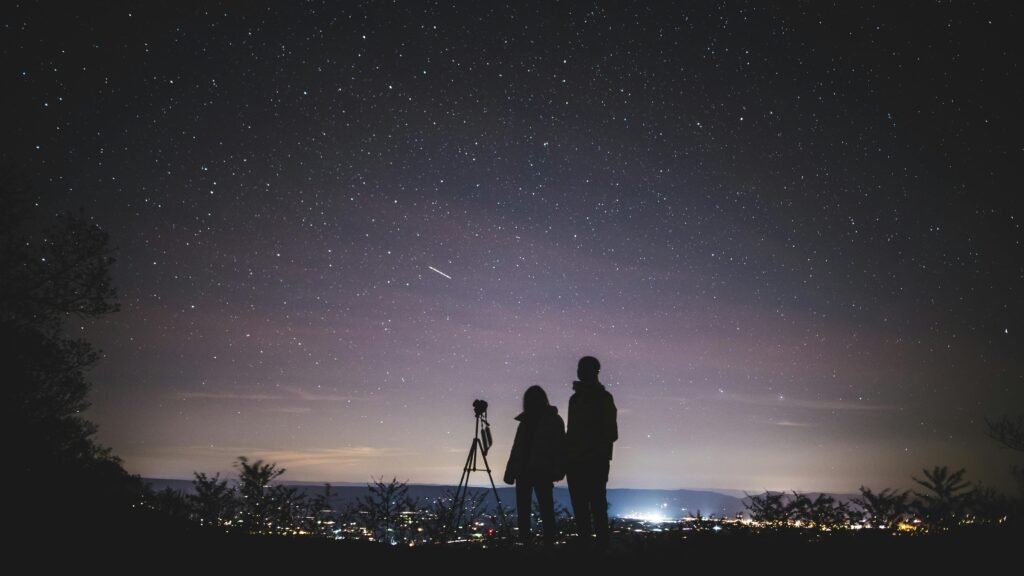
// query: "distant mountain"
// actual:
[[624, 502], [671, 504]]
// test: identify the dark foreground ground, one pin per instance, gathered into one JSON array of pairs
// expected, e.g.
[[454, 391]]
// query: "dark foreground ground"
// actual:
[[156, 547]]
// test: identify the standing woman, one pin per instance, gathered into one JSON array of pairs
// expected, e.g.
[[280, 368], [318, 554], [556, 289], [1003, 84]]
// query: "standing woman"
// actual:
[[537, 461]]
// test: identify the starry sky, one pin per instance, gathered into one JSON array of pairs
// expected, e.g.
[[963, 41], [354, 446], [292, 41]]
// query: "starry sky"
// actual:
[[790, 232]]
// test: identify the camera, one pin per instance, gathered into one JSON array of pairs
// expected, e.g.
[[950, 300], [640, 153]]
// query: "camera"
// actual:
[[479, 407]]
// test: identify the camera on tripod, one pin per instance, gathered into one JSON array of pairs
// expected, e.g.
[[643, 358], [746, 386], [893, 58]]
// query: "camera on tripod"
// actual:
[[482, 441], [483, 427]]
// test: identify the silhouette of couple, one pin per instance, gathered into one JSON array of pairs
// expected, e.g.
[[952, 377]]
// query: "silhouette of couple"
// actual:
[[543, 453]]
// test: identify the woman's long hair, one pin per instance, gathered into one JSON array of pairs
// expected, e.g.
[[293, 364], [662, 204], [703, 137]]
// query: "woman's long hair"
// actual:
[[535, 400]]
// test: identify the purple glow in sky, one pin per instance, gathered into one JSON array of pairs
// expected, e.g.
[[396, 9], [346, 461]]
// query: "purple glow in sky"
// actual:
[[790, 233]]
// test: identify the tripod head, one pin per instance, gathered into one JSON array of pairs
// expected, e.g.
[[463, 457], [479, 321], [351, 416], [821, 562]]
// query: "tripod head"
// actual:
[[483, 427]]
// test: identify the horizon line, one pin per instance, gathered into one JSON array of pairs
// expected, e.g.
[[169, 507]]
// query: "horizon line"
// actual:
[[723, 491]]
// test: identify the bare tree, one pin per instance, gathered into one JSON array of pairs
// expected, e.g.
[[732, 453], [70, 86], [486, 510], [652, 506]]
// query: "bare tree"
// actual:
[[321, 518], [382, 510], [1008, 431], [564, 519], [442, 513]]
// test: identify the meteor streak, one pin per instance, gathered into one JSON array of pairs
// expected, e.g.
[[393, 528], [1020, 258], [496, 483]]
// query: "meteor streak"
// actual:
[[439, 272]]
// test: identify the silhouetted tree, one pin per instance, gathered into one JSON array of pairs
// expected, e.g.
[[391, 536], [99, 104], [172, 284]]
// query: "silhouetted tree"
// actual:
[[821, 512], [1010, 433], [213, 502], [321, 518], [473, 509], [441, 513], [564, 519], [381, 511], [171, 503], [700, 522], [886, 509], [502, 521], [289, 509], [987, 506], [769, 508], [348, 520], [265, 508], [54, 272], [947, 495], [562, 515]]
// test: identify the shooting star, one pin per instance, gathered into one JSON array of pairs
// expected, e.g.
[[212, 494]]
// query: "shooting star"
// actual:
[[439, 272]]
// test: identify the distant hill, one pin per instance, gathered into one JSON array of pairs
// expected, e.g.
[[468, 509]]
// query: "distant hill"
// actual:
[[624, 502]]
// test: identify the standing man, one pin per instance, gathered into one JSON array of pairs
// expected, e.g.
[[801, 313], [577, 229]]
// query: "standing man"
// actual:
[[591, 431]]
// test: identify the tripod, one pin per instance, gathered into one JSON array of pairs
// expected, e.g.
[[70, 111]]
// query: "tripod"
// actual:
[[481, 443]]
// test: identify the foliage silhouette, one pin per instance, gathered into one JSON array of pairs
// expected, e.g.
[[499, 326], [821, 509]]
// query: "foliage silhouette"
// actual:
[[265, 508], [945, 499], [54, 272], [821, 512], [1009, 432], [988, 506], [213, 502], [172, 503], [769, 508], [885, 509]]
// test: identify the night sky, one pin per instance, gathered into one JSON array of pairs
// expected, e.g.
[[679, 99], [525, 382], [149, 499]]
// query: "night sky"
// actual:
[[791, 233]]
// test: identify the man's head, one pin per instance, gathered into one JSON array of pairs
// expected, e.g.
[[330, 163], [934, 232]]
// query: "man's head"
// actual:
[[587, 369]]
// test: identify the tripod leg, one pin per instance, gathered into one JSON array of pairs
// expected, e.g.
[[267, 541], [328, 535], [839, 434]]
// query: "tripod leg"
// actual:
[[459, 500], [501, 510]]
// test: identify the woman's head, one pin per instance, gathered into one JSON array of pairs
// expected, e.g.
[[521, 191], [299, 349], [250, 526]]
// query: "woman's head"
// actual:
[[535, 399]]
